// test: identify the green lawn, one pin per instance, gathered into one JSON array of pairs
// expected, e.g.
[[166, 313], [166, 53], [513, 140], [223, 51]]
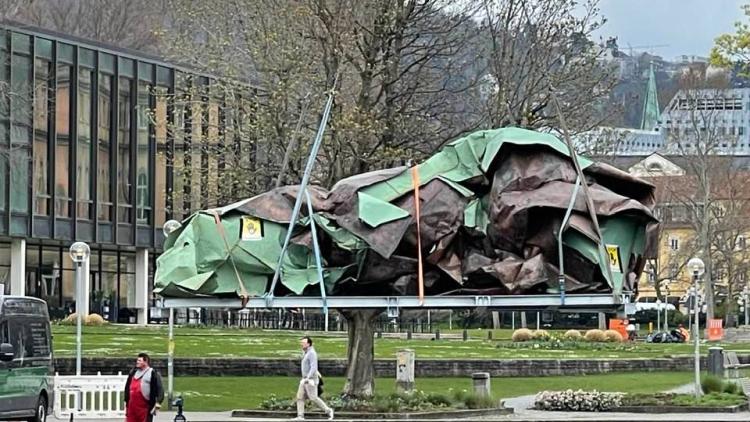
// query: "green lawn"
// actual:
[[119, 340], [227, 393]]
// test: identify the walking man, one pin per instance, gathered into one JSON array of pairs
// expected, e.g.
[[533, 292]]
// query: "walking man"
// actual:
[[308, 385], [143, 391]]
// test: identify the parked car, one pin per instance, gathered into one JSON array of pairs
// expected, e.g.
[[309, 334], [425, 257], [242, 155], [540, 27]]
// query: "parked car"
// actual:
[[25, 359]]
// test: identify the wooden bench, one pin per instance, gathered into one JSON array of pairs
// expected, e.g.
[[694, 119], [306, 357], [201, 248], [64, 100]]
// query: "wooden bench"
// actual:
[[732, 372]]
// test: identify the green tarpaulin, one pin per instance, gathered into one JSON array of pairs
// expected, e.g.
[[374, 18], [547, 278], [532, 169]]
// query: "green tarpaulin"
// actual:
[[491, 205]]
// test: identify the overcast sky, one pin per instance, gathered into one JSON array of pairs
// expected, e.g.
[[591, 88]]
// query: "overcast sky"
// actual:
[[686, 26]]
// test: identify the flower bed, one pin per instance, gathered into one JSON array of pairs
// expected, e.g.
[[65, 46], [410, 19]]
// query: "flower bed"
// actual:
[[577, 401], [415, 401], [595, 401]]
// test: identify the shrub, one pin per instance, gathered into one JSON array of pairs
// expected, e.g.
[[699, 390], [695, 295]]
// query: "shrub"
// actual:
[[95, 319], [541, 335], [522, 334], [712, 384], [573, 335], [91, 319], [595, 336], [613, 336], [582, 401], [732, 388]]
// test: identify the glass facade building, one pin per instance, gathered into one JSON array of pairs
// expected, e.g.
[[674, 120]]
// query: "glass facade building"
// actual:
[[92, 149]]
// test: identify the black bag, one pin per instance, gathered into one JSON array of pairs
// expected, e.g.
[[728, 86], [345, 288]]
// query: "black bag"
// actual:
[[320, 385]]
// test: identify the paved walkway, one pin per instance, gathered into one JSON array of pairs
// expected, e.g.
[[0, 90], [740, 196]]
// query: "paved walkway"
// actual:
[[522, 412]]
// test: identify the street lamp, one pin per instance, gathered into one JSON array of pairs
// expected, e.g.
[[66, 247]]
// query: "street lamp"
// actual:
[[170, 227], [658, 314], [79, 253], [696, 268], [666, 308], [745, 294]]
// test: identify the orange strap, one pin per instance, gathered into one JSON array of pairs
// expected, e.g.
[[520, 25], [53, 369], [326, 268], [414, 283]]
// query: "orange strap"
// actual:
[[244, 295], [420, 275]]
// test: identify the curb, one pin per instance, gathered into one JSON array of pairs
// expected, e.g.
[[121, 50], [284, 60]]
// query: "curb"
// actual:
[[681, 409], [443, 414]]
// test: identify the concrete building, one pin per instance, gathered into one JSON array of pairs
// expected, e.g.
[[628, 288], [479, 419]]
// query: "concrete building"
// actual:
[[86, 155]]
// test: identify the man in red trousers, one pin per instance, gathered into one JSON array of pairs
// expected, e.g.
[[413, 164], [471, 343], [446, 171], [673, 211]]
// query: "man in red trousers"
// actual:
[[143, 391]]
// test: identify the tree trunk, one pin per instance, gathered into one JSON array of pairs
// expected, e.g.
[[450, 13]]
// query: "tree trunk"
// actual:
[[360, 354]]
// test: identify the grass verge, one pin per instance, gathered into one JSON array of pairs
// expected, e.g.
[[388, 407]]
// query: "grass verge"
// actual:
[[227, 393]]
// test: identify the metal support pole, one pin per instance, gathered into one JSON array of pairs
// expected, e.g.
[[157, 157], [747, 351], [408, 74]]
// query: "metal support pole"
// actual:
[[79, 316], [696, 333], [658, 316], [170, 360], [513, 320], [537, 320], [745, 309]]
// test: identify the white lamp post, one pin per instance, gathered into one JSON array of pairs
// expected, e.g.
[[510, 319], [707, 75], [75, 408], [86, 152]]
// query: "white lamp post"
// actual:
[[666, 308], [79, 253], [745, 294], [658, 314], [696, 268], [170, 227]]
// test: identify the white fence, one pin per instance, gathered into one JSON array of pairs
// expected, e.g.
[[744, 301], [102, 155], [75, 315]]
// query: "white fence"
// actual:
[[90, 396]]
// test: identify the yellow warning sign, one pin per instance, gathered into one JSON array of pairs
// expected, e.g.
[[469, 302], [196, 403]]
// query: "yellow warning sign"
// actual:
[[251, 228], [615, 263]]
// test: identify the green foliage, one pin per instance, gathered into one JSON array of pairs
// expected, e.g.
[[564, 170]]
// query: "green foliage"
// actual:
[[732, 388], [416, 400], [714, 399], [712, 384], [733, 49]]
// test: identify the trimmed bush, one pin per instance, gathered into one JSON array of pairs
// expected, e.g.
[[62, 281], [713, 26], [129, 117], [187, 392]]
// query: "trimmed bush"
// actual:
[[595, 336], [95, 319], [541, 335], [91, 319], [573, 335], [613, 336], [522, 334]]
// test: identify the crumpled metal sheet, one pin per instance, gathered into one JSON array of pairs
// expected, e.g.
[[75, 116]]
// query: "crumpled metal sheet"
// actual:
[[491, 206]]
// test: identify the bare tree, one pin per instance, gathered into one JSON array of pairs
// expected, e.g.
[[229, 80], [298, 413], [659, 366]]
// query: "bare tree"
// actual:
[[537, 47], [132, 24], [709, 174]]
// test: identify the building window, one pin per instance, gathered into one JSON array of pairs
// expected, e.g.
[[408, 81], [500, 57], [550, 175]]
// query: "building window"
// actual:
[[674, 243], [740, 242], [21, 123], [741, 130], [42, 90], [4, 118], [84, 145], [142, 190], [62, 146], [160, 131], [104, 153], [124, 108]]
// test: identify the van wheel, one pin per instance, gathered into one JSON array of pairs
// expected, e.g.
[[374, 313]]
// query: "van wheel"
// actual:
[[41, 410]]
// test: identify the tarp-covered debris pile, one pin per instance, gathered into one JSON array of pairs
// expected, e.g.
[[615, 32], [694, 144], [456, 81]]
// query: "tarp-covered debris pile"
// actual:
[[491, 205]]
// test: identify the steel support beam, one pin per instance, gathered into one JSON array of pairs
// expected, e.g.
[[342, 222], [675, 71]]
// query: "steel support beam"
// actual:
[[589, 302]]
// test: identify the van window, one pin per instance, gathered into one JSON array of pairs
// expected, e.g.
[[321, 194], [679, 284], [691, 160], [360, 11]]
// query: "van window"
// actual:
[[29, 338], [4, 337]]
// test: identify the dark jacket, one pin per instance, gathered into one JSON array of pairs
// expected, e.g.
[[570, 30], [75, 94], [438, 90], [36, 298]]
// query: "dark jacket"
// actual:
[[156, 395]]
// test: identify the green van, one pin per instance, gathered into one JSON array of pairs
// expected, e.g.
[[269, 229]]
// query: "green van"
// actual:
[[26, 367]]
